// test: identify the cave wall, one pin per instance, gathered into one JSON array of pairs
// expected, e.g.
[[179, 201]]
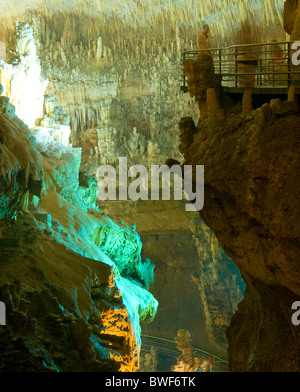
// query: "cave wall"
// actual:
[[196, 284], [251, 157], [119, 82], [73, 282], [252, 162], [291, 18], [251, 209], [116, 69]]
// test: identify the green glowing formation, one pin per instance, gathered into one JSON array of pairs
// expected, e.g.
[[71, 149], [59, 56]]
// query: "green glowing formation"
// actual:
[[124, 247]]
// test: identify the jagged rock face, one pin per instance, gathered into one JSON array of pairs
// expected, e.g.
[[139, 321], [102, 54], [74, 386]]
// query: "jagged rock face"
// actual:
[[117, 107], [157, 13], [21, 171], [200, 75], [118, 82], [79, 296], [291, 17], [40, 179], [94, 335], [252, 204]]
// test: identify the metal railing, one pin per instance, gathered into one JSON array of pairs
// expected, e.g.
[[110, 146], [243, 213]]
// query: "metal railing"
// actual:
[[264, 65], [167, 349]]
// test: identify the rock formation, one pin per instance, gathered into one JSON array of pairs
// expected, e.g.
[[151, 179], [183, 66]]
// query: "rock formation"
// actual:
[[116, 71], [114, 74], [74, 297], [21, 171], [203, 83], [198, 289], [187, 361], [149, 362], [251, 203], [291, 17], [21, 75]]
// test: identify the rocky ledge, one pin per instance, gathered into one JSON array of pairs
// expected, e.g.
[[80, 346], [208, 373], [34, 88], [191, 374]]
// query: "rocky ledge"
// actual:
[[252, 204]]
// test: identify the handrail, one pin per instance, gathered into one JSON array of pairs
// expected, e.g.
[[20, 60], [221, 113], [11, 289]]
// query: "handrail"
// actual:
[[269, 66], [196, 348], [238, 46]]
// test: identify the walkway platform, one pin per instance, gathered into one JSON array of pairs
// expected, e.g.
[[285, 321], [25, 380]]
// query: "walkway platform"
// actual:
[[265, 69]]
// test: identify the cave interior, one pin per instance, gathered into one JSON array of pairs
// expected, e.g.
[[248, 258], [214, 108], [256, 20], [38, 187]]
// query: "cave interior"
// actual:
[[103, 269]]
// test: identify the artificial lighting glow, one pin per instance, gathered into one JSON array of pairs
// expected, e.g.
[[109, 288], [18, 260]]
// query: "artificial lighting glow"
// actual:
[[22, 82]]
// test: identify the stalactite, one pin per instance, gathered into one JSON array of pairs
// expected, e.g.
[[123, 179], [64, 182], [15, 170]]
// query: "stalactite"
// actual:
[[142, 49]]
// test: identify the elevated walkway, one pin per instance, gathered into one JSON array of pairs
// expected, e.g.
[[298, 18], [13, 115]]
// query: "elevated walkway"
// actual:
[[167, 353], [265, 68]]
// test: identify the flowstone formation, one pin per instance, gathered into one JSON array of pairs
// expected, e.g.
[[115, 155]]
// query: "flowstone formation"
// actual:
[[73, 281], [70, 307]]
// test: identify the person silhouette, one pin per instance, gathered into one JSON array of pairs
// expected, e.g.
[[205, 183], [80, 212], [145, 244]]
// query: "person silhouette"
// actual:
[[203, 39]]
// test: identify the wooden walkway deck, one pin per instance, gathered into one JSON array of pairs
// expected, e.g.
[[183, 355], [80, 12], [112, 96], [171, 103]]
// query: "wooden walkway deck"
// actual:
[[265, 69]]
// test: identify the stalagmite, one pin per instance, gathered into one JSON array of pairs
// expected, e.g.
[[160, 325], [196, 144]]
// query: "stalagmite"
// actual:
[[213, 105], [247, 102], [292, 93]]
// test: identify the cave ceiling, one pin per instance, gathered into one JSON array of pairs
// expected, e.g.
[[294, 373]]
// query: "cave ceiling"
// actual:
[[191, 13]]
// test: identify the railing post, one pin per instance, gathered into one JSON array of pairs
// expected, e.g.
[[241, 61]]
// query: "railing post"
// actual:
[[273, 65], [182, 61], [266, 71], [261, 71], [236, 67], [289, 64]]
